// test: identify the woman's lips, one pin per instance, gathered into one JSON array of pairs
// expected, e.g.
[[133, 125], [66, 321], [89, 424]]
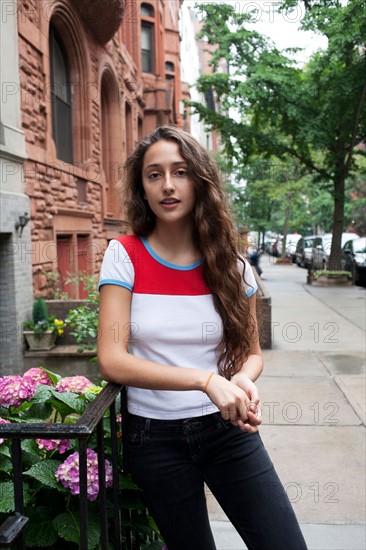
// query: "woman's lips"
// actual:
[[170, 203]]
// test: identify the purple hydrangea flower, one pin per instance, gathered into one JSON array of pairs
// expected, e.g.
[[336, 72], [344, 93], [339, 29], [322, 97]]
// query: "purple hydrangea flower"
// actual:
[[76, 384], [3, 421], [68, 474], [50, 444], [15, 389], [39, 376]]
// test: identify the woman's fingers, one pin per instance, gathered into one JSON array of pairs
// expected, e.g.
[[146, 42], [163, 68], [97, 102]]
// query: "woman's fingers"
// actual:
[[235, 403]]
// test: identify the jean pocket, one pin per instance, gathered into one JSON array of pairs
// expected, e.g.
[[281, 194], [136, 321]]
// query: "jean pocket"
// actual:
[[135, 438], [223, 424]]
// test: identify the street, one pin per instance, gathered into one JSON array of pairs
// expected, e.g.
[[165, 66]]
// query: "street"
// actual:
[[313, 405]]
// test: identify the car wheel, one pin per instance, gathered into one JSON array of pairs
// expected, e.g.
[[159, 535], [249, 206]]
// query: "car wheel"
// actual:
[[359, 277]]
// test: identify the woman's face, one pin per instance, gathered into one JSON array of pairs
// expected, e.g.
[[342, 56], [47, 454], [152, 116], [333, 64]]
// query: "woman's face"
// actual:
[[167, 187]]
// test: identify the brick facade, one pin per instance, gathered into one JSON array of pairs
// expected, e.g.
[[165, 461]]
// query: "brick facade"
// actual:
[[74, 205]]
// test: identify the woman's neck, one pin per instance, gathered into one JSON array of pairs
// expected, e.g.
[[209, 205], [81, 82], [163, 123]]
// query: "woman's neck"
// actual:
[[174, 244]]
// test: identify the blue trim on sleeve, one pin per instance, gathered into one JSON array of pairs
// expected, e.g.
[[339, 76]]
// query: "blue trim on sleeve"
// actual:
[[164, 262], [114, 282], [251, 291]]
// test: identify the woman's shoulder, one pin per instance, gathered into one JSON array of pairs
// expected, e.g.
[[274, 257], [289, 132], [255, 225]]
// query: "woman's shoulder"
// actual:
[[128, 240], [131, 245]]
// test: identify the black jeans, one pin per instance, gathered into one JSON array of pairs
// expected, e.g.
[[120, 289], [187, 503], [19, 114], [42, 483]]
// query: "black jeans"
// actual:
[[172, 459]]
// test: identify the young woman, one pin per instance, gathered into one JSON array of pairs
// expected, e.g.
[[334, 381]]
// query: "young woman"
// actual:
[[178, 328]]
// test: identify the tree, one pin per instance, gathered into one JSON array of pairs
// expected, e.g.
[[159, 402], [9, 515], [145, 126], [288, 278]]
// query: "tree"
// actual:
[[314, 115]]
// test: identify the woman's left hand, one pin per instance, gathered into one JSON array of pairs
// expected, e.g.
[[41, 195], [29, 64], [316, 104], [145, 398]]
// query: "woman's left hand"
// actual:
[[254, 413]]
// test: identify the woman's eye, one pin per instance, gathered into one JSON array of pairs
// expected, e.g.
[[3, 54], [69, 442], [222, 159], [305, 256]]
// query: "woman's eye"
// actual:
[[154, 175], [181, 172]]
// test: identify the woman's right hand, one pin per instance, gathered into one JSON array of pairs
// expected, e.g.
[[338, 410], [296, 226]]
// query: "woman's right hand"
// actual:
[[233, 403]]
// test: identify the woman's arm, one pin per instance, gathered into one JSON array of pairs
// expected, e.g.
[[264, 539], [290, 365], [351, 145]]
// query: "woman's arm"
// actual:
[[251, 370], [117, 365], [253, 366]]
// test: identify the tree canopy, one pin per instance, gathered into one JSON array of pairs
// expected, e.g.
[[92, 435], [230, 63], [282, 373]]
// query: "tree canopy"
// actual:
[[270, 107]]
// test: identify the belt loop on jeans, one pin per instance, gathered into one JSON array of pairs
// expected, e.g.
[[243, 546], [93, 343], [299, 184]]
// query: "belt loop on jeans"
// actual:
[[147, 427]]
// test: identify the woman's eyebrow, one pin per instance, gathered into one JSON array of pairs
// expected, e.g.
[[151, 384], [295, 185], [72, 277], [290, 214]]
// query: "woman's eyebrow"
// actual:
[[157, 165]]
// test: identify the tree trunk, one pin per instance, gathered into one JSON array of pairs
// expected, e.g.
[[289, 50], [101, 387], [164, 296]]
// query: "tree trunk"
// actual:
[[338, 220]]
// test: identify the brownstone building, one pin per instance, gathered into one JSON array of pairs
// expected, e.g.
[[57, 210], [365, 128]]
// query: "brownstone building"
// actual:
[[95, 76]]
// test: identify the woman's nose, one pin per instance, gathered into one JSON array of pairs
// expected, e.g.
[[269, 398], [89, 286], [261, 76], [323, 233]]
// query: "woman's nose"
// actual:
[[168, 184]]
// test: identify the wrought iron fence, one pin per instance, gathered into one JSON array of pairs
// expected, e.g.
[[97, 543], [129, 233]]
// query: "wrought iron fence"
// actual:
[[12, 530]]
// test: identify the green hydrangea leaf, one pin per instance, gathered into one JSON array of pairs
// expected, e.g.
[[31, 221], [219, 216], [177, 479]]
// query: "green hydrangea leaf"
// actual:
[[152, 546], [43, 393], [40, 532], [4, 450], [127, 483], [31, 453], [54, 377], [6, 465], [68, 527], [40, 410], [6, 497], [44, 472], [73, 401]]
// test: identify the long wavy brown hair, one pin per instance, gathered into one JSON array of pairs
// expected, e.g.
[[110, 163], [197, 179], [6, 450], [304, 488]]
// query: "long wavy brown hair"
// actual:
[[214, 235]]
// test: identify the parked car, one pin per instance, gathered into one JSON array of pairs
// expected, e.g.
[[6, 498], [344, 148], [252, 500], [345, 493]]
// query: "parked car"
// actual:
[[354, 259], [322, 246], [291, 242], [303, 254]]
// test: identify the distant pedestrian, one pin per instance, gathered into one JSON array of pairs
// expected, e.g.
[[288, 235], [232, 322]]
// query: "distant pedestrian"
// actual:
[[178, 328]]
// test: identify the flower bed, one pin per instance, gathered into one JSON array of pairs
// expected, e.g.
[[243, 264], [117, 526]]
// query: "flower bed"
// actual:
[[52, 477]]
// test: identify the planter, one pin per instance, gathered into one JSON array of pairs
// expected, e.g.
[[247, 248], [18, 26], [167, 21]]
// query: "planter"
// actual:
[[326, 280], [283, 261], [40, 342]]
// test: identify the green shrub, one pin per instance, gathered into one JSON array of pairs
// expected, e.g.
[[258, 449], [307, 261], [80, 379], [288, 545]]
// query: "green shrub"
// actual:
[[332, 274], [40, 312]]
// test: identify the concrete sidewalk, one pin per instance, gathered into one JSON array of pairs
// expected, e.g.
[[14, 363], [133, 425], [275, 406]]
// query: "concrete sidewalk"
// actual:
[[313, 404]]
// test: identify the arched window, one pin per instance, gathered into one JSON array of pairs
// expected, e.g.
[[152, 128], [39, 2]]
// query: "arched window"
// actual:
[[111, 141], [147, 38], [147, 10], [60, 98], [69, 75]]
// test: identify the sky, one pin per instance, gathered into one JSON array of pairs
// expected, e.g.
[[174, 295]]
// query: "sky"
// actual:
[[282, 28]]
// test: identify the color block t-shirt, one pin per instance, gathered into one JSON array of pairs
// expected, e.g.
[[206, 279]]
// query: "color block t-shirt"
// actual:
[[173, 322]]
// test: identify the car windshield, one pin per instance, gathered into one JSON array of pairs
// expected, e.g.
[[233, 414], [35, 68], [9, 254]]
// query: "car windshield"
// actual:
[[360, 246]]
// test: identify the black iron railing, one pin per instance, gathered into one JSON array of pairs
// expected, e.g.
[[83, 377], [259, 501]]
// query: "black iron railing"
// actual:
[[12, 530]]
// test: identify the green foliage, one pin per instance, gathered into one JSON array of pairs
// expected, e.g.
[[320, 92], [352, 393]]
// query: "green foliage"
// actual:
[[54, 286], [315, 115], [84, 319], [40, 312], [44, 472], [332, 274], [53, 512]]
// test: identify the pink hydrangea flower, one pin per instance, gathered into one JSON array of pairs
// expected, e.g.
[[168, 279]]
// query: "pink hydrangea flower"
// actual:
[[15, 389], [39, 376], [76, 384], [68, 474], [50, 444], [3, 421]]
